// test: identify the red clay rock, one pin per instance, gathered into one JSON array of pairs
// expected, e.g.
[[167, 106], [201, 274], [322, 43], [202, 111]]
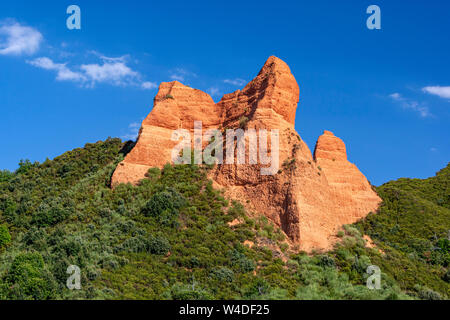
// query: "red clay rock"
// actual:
[[309, 199]]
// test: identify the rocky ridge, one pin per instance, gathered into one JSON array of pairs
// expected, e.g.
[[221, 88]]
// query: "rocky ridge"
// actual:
[[310, 196]]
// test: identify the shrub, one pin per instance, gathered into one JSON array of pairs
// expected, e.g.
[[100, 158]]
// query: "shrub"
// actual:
[[5, 175], [5, 237], [243, 122], [222, 274], [134, 244], [25, 166], [112, 262], [189, 292], [446, 276], [29, 278], [164, 205], [158, 245], [428, 294], [49, 216], [326, 261], [240, 261]]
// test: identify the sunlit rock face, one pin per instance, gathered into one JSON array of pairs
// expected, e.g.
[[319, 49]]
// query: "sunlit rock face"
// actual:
[[310, 197]]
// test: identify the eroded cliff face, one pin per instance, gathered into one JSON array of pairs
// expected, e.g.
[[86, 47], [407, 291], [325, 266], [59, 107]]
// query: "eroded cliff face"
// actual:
[[309, 197]]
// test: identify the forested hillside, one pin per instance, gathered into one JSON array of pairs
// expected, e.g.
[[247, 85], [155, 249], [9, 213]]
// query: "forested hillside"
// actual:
[[174, 237]]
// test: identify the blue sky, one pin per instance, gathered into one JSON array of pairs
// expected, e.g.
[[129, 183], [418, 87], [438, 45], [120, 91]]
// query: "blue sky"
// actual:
[[384, 92]]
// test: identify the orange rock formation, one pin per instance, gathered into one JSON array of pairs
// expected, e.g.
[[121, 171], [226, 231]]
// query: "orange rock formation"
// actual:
[[309, 198]]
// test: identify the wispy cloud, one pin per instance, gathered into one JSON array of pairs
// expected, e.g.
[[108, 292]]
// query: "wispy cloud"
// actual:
[[411, 105], [16, 39], [214, 91], [177, 77], [181, 74], [133, 131], [147, 85], [235, 82], [112, 71], [62, 71], [443, 92]]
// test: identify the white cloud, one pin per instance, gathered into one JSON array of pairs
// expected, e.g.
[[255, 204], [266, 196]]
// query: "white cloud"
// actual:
[[181, 74], [235, 82], [395, 96], [213, 91], [123, 58], [63, 72], [148, 85], [16, 39], [133, 131], [177, 77], [443, 92], [411, 105], [116, 73], [109, 71]]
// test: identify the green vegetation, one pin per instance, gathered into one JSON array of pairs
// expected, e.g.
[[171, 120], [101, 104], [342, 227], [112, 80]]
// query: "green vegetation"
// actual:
[[413, 228], [171, 237], [243, 122], [289, 165], [5, 237]]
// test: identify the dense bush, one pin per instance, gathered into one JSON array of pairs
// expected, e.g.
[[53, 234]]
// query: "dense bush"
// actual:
[[49, 215], [5, 175], [158, 245], [28, 278], [413, 227], [223, 274], [164, 206], [239, 260], [170, 237], [5, 237]]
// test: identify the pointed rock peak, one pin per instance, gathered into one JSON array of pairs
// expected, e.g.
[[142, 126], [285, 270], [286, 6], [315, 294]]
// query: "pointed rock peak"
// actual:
[[269, 101], [275, 64], [330, 147], [273, 88]]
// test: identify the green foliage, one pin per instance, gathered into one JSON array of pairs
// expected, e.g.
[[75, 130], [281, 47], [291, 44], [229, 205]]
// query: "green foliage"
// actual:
[[413, 227], [289, 164], [49, 215], [164, 206], [189, 292], [25, 166], [5, 175], [240, 261], [243, 122], [223, 274], [28, 278], [158, 245], [170, 237], [5, 237]]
